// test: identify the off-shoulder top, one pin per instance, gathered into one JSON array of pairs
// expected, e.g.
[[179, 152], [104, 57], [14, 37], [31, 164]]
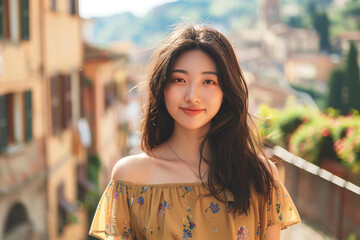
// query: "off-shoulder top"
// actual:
[[174, 211]]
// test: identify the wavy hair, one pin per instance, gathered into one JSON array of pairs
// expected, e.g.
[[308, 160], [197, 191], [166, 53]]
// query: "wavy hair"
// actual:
[[236, 158]]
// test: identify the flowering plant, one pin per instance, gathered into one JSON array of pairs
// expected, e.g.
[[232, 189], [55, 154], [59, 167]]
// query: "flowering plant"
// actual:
[[348, 147], [313, 135]]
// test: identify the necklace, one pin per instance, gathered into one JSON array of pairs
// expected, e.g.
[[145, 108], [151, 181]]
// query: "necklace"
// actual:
[[200, 178]]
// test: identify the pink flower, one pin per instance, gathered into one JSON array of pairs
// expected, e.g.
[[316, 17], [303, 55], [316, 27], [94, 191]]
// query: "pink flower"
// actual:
[[350, 131], [243, 233], [326, 132]]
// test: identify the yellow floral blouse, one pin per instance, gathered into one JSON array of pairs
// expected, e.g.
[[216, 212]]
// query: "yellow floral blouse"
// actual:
[[173, 211]]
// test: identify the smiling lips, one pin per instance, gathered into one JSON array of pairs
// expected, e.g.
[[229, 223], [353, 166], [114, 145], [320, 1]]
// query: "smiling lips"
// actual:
[[192, 111]]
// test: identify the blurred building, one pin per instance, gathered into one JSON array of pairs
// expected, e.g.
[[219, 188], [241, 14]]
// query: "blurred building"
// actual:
[[269, 13], [281, 42], [104, 94], [310, 69], [22, 133], [40, 105]]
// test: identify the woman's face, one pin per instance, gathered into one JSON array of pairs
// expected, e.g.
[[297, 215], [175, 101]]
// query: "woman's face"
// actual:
[[193, 95]]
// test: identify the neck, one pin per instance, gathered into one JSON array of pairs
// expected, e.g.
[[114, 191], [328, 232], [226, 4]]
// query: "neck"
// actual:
[[186, 143]]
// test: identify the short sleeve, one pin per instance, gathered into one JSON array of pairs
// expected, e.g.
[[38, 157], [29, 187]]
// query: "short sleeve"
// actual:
[[112, 216], [280, 207]]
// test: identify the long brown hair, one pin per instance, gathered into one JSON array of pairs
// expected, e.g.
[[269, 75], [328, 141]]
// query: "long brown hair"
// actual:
[[236, 162]]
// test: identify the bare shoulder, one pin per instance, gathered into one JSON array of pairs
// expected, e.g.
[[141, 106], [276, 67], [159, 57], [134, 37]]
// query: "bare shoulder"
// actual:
[[271, 167], [131, 168]]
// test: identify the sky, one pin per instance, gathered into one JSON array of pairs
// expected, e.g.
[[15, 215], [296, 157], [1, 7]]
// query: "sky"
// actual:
[[97, 8]]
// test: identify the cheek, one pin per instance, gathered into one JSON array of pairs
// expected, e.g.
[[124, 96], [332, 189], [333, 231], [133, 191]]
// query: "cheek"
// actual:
[[173, 92], [170, 96], [215, 98]]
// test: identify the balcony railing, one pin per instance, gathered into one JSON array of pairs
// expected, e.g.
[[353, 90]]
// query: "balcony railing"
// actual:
[[324, 200]]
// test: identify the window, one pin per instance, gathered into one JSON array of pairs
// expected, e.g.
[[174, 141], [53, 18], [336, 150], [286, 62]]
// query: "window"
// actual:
[[24, 14], [15, 119], [74, 7], [5, 19], [53, 5], [14, 20], [83, 184], [17, 224], [110, 94], [61, 103], [65, 210], [82, 94]]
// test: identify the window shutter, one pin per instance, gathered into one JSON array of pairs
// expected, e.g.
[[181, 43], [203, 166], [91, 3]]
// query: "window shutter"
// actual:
[[54, 104], [6, 19], [28, 116], [67, 103], [25, 19], [3, 124], [82, 94], [53, 5], [73, 7], [1, 19]]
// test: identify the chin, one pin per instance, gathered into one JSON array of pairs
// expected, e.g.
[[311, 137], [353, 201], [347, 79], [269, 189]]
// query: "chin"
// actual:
[[198, 126]]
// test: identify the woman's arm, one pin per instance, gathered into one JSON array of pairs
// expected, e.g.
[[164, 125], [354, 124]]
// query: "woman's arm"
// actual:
[[273, 232]]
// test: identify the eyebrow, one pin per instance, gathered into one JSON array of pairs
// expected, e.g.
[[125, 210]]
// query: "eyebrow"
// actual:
[[183, 71]]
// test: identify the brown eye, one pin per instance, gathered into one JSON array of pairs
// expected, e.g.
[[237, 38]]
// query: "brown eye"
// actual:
[[179, 80], [209, 82]]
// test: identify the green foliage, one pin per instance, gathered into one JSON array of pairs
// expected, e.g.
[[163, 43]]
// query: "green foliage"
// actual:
[[352, 79], [294, 22], [321, 24], [92, 196], [335, 83], [313, 135], [71, 218], [344, 85], [268, 128], [313, 140], [341, 19], [352, 11], [352, 236], [278, 126], [345, 18], [318, 97], [348, 146]]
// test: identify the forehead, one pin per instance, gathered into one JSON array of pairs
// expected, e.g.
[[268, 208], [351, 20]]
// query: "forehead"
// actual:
[[194, 60]]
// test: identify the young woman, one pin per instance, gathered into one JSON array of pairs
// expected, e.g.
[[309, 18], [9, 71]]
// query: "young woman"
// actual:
[[202, 174]]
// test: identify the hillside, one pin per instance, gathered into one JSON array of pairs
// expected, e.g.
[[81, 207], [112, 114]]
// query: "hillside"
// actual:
[[147, 31]]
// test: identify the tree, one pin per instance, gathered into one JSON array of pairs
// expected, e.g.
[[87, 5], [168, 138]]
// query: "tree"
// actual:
[[336, 83], [321, 24], [352, 79]]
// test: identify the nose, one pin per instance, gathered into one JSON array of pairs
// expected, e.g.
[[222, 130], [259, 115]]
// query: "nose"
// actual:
[[192, 93]]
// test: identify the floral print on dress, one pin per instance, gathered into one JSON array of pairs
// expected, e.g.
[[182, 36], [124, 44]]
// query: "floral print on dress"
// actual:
[[258, 229], [162, 207], [243, 233], [214, 207], [188, 228], [140, 200], [187, 189], [121, 187], [126, 234], [144, 189], [278, 207], [116, 195], [269, 204], [184, 202]]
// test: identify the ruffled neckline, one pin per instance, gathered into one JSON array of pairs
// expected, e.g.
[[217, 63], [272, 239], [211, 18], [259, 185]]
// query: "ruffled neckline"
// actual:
[[165, 185]]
